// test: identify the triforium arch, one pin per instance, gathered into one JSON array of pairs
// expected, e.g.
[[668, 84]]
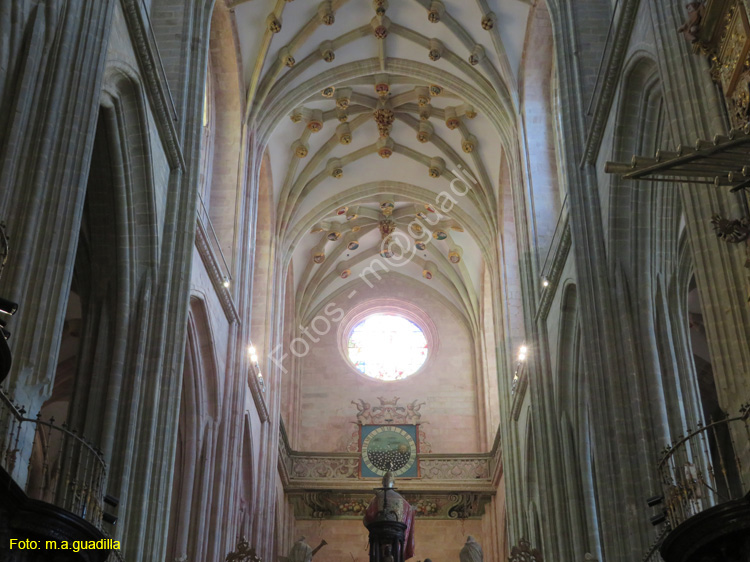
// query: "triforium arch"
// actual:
[[653, 256], [114, 286], [198, 458]]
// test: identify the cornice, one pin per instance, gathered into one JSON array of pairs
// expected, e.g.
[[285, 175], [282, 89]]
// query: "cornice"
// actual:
[[555, 271], [210, 261], [284, 461], [519, 393], [612, 72], [258, 391], [155, 80]]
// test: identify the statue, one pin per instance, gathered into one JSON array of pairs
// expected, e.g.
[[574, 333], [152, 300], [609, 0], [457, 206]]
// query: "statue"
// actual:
[[364, 411], [302, 552], [389, 508], [412, 409], [472, 551], [692, 27]]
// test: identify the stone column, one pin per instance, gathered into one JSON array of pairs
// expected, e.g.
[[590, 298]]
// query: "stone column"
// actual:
[[52, 56]]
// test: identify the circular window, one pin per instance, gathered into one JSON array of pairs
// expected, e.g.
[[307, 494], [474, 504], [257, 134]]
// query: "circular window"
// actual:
[[387, 347]]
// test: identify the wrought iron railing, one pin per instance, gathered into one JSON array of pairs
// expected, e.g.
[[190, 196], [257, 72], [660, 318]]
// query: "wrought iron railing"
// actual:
[[62, 468], [653, 554], [704, 468]]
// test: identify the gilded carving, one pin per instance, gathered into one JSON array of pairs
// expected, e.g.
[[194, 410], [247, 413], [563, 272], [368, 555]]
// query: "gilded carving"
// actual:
[[524, 553], [343, 505], [721, 32], [300, 149], [732, 231], [380, 7], [388, 411], [488, 21], [384, 118], [469, 144], [326, 13], [315, 126], [435, 12], [382, 89], [385, 152], [244, 553], [464, 506], [273, 24]]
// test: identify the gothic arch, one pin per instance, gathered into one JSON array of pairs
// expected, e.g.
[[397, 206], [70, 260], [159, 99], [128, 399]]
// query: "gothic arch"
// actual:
[[196, 446], [223, 75], [120, 212], [568, 377], [537, 90]]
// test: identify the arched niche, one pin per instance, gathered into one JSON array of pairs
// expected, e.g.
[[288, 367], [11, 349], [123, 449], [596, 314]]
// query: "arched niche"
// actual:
[[195, 460], [537, 90]]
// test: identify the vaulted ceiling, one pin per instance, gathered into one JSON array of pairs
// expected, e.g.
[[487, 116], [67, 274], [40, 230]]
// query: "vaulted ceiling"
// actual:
[[369, 110]]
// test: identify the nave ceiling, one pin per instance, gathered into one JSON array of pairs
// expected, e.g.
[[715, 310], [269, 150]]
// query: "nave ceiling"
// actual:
[[369, 110]]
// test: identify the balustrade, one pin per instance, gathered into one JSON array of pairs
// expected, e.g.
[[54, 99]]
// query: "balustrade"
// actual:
[[61, 467], [705, 467]]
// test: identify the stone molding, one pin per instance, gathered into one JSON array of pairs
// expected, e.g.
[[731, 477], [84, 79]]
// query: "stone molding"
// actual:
[[620, 43], [327, 504], [155, 82], [208, 256], [519, 393], [559, 258], [258, 391]]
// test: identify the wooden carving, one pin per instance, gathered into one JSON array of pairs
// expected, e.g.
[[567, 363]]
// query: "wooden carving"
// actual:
[[719, 29]]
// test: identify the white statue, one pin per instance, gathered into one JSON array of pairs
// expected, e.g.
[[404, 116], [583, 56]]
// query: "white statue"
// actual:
[[472, 551], [300, 552]]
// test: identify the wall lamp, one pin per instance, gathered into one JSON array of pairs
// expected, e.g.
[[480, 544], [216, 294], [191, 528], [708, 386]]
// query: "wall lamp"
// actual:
[[653, 501]]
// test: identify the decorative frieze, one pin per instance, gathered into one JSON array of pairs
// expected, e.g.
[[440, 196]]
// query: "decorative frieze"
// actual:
[[455, 469], [335, 468], [523, 552], [348, 505], [345, 466], [388, 412]]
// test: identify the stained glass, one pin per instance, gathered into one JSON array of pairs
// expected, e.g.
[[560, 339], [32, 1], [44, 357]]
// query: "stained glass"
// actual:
[[387, 347]]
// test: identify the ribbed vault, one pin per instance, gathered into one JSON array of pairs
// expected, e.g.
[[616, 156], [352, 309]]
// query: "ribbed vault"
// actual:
[[384, 124]]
